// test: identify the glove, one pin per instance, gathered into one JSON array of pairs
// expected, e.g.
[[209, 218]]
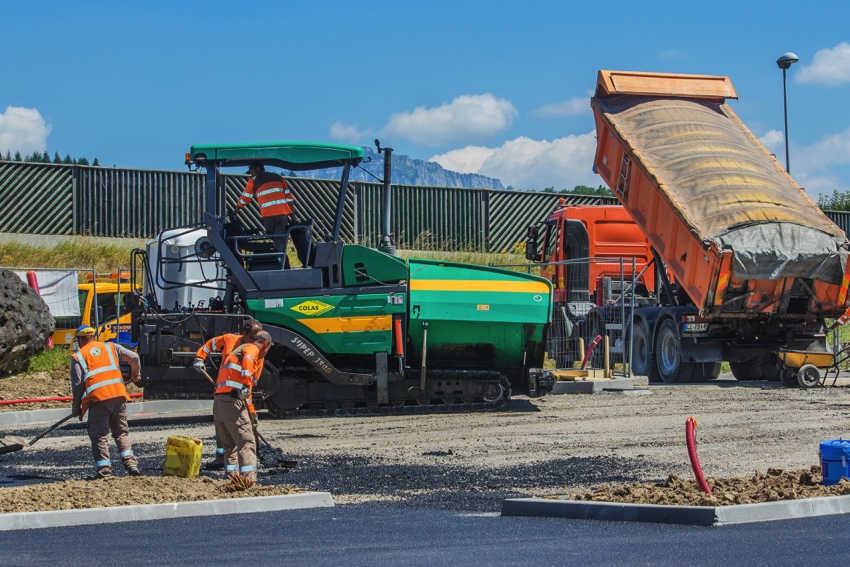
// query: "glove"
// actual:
[[199, 365]]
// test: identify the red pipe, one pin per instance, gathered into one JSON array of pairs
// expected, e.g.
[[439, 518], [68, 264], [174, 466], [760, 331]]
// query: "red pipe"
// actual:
[[57, 399], [690, 435], [590, 348]]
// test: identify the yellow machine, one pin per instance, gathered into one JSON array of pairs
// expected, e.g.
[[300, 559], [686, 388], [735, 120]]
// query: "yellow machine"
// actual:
[[101, 305]]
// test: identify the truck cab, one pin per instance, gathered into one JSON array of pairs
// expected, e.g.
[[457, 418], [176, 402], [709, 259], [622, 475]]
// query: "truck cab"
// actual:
[[101, 307]]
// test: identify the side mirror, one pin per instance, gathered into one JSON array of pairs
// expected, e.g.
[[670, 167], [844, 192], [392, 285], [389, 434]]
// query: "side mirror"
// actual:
[[531, 250], [532, 234]]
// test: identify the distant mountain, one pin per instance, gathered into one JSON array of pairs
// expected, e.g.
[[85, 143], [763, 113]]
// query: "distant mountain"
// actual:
[[408, 171]]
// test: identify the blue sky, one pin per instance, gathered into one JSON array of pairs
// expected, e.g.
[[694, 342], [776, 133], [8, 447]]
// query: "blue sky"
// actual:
[[499, 88]]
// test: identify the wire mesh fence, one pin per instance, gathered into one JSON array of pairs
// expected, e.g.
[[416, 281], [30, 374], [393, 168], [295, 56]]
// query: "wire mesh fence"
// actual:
[[594, 307]]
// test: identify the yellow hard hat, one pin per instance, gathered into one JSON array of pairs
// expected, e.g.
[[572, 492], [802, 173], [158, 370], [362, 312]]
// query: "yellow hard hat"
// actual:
[[84, 331]]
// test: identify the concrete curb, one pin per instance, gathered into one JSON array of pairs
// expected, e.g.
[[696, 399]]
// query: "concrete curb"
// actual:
[[145, 512], [134, 410], [689, 515], [597, 386]]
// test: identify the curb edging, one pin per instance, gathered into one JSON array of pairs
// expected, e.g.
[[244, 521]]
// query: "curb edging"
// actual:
[[688, 515], [146, 512]]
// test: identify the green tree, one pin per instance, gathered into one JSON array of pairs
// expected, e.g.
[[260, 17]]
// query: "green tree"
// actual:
[[82, 161], [56, 158], [838, 201], [8, 156], [18, 156], [45, 157], [94, 163], [68, 160]]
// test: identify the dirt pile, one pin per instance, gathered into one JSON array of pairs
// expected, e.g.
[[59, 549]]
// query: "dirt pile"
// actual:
[[25, 323], [124, 491], [776, 485], [54, 384]]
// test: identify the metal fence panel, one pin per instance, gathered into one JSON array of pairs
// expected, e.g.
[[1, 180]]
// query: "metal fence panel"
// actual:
[[135, 203], [40, 198], [36, 198]]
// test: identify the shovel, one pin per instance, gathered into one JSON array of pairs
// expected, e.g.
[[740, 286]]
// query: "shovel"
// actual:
[[12, 443]]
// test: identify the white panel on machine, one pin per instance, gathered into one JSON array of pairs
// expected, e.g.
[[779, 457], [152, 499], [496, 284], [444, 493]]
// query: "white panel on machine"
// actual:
[[174, 278]]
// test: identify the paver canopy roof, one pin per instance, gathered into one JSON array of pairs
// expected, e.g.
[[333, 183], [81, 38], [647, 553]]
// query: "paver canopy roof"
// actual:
[[295, 156]]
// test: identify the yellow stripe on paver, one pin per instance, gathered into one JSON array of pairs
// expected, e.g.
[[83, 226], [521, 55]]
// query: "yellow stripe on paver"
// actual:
[[348, 324], [479, 285]]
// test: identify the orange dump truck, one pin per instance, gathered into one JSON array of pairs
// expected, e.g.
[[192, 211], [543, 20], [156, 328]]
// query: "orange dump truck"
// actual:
[[756, 266]]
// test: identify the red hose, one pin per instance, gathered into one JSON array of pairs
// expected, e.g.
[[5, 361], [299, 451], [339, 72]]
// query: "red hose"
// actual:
[[690, 435], [57, 399], [590, 348]]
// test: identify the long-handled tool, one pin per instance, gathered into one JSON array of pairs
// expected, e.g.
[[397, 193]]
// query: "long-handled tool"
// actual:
[[13, 443]]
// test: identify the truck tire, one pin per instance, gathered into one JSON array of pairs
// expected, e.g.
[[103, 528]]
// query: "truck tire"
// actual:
[[771, 368], [643, 355], [668, 355], [750, 369]]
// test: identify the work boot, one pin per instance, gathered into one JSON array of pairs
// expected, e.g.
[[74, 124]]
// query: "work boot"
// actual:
[[134, 471], [215, 465], [101, 474]]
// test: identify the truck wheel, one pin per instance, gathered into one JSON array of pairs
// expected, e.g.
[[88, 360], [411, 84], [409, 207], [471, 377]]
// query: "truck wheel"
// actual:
[[668, 355], [750, 369], [643, 357], [771, 367]]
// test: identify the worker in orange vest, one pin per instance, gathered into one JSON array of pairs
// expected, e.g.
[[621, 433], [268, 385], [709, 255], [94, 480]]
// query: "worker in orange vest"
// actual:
[[275, 199], [98, 389], [233, 410], [224, 344]]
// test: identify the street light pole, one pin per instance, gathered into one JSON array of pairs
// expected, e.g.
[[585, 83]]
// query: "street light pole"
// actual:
[[784, 62]]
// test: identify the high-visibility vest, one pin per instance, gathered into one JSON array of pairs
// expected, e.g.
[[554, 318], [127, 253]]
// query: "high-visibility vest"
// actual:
[[274, 197], [241, 368], [101, 373], [222, 343]]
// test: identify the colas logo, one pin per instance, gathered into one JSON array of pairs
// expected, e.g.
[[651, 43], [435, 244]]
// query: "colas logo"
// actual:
[[312, 308]]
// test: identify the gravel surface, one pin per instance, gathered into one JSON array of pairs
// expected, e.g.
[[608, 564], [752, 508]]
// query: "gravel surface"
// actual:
[[556, 445]]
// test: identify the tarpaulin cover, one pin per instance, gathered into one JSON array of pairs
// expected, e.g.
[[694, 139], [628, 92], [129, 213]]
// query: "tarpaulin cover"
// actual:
[[58, 290], [727, 188]]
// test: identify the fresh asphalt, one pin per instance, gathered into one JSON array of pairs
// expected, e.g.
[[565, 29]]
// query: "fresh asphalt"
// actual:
[[360, 535]]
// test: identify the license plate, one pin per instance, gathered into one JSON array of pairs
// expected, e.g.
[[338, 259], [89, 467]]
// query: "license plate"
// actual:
[[696, 327]]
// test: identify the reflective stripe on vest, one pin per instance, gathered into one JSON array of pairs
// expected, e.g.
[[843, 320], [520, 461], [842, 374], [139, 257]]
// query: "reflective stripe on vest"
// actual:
[[101, 374]]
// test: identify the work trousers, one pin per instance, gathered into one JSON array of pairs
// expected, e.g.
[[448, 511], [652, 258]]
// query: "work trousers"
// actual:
[[276, 229], [233, 422], [105, 417], [278, 226], [219, 447]]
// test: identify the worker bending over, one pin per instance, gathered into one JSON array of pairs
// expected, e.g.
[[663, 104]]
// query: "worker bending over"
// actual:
[[98, 389], [224, 344], [233, 409]]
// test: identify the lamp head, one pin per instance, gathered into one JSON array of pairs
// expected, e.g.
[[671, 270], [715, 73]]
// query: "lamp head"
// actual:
[[786, 60]]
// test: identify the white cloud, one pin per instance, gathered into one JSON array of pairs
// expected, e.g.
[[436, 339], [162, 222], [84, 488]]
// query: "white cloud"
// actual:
[[348, 133], [822, 167], [530, 164], [831, 150], [829, 67], [773, 140], [23, 129], [573, 107], [467, 116]]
